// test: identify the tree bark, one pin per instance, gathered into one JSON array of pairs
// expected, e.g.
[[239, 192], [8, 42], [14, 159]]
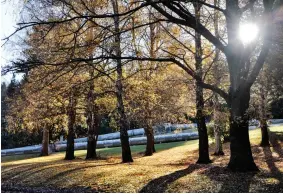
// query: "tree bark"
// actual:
[[263, 124], [202, 130], [241, 158], [150, 149], [153, 142], [45, 142], [264, 134], [218, 143], [123, 125], [91, 146], [70, 155], [92, 121], [216, 112], [217, 128]]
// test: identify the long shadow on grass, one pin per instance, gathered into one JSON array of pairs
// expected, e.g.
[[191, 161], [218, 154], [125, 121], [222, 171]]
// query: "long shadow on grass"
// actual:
[[10, 188], [275, 173], [160, 184], [15, 181], [26, 169], [240, 182], [275, 139], [228, 181], [73, 170]]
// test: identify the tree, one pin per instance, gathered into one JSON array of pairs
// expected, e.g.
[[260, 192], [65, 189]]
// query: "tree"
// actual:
[[260, 91], [242, 70], [71, 112], [123, 125], [3, 109], [162, 98], [275, 66], [93, 121], [242, 74], [267, 87], [202, 130], [217, 78], [144, 112], [148, 126]]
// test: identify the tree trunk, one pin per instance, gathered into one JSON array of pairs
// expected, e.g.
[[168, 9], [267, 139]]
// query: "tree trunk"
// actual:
[[123, 125], [126, 150], [92, 121], [263, 118], [45, 142], [70, 155], [150, 149], [216, 74], [218, 143], [153, 146], [93, 128], [91, 146], [241, 158], [217, 128], [202, 130], [264, 134]]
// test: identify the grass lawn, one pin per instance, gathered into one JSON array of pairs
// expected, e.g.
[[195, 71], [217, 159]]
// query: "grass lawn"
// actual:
[[17, 157], [103, 152], [171, 169]]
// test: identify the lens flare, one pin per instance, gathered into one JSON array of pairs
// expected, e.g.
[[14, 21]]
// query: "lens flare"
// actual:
[[248, 32]]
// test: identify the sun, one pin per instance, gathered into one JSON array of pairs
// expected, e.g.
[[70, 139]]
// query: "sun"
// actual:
[[248, 32]]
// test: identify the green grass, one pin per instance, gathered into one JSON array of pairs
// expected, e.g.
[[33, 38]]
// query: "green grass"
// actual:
[[137, 149], [105, 152], [17, 157], [116, 151]]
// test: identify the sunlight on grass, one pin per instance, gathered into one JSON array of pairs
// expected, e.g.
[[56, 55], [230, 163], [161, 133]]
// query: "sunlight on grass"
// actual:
[[171, 169], [272, 181], [104, 152], [18, 157], [255, 136]]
